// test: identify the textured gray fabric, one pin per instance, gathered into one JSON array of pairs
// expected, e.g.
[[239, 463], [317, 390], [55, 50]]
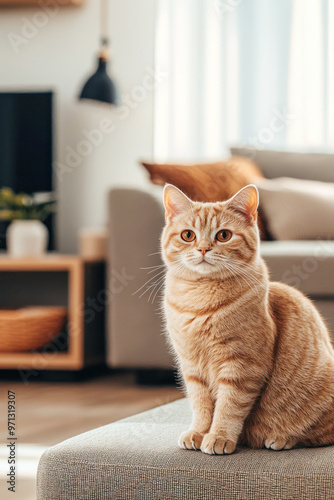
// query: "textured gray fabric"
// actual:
[[135, 331], [302, 165], [138, 458]]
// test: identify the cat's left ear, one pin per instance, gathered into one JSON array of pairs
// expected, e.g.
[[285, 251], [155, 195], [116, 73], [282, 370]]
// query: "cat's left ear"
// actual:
[[175, 201], [246, 202]]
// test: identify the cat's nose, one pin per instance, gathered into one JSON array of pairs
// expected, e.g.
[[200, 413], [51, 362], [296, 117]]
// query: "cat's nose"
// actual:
[[204, 250]]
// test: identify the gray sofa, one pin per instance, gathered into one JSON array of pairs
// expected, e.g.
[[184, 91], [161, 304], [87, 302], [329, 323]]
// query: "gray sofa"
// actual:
[[136, 218], [138, 458]]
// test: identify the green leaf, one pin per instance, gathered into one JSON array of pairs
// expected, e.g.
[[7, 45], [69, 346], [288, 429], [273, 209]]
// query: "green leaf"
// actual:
[[23, 206]]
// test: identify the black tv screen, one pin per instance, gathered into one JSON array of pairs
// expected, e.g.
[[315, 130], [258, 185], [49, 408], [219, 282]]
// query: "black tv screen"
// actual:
[[26, 123], [26, 141]]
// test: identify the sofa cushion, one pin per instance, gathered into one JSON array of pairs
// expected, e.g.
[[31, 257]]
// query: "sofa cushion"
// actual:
[[208, 181], [301, 165], [135, 330], [138, 458], [307, 265], [297, 209]]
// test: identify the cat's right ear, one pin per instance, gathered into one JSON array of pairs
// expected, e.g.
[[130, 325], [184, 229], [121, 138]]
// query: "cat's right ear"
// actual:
[[175, 201]]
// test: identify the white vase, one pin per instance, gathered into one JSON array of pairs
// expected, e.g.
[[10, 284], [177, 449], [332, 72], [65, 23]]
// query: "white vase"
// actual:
[[27, 238]]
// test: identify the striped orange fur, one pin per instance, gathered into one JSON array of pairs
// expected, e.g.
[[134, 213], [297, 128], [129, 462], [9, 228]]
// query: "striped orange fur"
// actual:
[[255, 356]]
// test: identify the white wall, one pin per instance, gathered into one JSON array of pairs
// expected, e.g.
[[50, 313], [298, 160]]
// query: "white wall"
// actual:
[[60, 55]]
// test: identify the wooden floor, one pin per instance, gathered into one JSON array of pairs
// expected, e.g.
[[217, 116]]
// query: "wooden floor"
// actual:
[[48, 413]]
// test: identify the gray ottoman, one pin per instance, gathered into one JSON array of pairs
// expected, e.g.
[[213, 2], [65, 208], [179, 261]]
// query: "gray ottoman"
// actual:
[[138, 458]]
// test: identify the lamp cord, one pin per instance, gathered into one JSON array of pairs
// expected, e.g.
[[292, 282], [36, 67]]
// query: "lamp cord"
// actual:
[[104, 22]]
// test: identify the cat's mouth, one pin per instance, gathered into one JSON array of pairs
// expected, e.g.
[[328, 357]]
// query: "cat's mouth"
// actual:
[[200, 264], [204, 261]]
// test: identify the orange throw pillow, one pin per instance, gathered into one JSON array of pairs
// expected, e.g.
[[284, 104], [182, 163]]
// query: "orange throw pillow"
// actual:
[[207, 181]]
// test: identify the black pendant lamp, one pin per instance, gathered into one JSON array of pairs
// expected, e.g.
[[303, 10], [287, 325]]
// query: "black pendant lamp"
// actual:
[[99, 86]]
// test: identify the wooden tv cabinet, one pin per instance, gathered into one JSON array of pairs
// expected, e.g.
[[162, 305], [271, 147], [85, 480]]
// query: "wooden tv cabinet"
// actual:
[[64, 280]]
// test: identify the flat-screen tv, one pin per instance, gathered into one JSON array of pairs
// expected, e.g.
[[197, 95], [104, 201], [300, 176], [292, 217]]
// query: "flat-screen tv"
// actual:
[[26, 145]]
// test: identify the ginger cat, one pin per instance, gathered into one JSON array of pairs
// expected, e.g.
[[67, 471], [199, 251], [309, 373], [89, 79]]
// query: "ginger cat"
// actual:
[[255, 356]]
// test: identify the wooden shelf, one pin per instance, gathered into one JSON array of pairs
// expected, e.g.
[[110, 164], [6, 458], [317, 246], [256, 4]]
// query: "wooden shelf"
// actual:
[[76, 269], [39, 361], [35, 3], [49, 262]]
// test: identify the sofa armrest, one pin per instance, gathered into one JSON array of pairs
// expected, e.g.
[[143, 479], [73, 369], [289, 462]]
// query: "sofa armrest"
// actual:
[[135, 329]]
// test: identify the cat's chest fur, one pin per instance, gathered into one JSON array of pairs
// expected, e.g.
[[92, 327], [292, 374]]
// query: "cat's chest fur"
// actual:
[[207, 320]]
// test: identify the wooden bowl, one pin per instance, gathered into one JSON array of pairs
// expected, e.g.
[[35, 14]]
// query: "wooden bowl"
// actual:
[[30, 328]]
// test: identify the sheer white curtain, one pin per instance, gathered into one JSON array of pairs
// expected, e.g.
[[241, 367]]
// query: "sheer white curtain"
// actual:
[[249, 72], [190, 105], [311, 75]]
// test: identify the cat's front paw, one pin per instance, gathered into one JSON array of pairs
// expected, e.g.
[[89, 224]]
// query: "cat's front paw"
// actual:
[[191, 440], [214, 444], [280, 443]]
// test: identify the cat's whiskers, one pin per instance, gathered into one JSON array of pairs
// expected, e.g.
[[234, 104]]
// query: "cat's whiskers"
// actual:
[[157, 291], [229, 276], [152, 267], [254, 279], [163, 271], [179, 266], [248, 279], [237, 272], [160, 283], [241, 276], [156, 268], [154, 287], [248, 273], [251, 268], [241, 266]]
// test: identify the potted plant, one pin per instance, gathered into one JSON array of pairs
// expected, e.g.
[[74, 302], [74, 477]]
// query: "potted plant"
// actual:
[[26, 235]]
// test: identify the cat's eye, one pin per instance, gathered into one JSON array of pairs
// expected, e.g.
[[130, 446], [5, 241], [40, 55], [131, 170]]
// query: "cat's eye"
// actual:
[[223, 235], [188, 235]]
